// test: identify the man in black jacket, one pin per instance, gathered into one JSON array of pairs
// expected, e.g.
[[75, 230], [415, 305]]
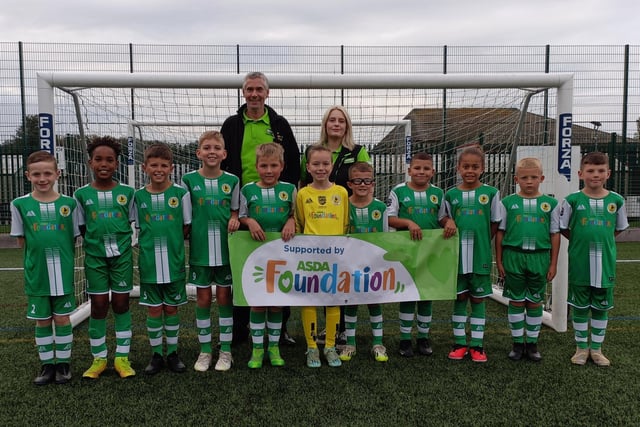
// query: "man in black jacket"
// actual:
[[256, 123]]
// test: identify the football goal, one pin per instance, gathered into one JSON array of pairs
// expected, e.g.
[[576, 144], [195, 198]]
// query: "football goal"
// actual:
[[394, 116]]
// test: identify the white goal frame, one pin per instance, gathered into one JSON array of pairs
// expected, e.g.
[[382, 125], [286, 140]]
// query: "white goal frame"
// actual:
[[562, 82]]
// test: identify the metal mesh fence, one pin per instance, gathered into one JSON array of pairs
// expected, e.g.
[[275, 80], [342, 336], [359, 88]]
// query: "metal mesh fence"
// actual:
[[606, 85]]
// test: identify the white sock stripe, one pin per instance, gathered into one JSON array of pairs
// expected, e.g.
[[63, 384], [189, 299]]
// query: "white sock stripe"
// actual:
[[205, 338], [152, 330], [405, 329], [256, 326], [63, 354], [46, 355], [581, 327], [103, 354], [597, 338], [257, 339], [226, 337], [478, 321], [124, 334], [64, 339], [513, 318], [477, 334], [95, 342], [156, 341], [459, 332], [534, 321], [172, 340], [171, 327], [225, 321], [44, 340], [121, 349], [423, 319], [350, 319], [274, 325], [376, 319], [350, 332], [515, 333], [377, 332], [600, 324], [406, 316], [203, 323], [458, 319], [533, 334]]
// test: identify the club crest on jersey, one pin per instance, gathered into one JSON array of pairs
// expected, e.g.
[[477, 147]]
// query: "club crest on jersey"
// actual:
[[335, 199], [322, 200], [545, 207], [226, 188], [611, 208], [284, 196], [376, 215], [483, 199], [434, 199], [121, 199], [173, 202], [65, 210]]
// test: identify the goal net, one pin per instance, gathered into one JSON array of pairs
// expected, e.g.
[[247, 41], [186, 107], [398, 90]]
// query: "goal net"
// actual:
[[394, 116]]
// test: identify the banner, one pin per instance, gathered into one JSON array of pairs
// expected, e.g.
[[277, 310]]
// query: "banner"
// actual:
[[342, 270]]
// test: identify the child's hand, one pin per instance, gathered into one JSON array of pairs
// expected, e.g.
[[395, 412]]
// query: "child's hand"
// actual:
[[233, 225], [257, 233], [551, 273], [500, 269], [415, 232], [289, 230], [450, 228]]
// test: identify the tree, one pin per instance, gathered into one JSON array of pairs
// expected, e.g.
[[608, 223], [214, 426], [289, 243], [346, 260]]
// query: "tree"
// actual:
[[27, 137]]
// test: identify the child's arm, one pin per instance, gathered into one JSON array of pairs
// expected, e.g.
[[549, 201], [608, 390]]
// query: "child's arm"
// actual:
[[406, 224], [234, 222], [555, 249], [299, 214], [499, 266]]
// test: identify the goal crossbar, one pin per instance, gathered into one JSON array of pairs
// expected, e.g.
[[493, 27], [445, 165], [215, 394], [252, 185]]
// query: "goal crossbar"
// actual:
[[562, 82]]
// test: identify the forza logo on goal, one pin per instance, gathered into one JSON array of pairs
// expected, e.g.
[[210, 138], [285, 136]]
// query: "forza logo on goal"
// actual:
[[564, 146]]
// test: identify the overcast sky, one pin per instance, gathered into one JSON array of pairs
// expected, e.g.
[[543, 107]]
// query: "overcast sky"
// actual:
[[323, 22]]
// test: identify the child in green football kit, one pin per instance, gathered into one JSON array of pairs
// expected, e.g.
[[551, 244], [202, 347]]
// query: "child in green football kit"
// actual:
[[268, 205], [417, 205], [474, 207], [44, 222], [527, 245], [162, 214], [215, 201], [104, 218], [591, 219], [366, 215]]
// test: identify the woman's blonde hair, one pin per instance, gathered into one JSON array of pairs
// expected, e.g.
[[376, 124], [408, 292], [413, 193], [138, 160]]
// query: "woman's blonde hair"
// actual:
[[347, 140]]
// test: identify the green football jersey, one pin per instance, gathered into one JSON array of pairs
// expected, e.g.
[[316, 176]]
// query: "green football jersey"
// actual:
[[592, 247], [49, 231], [421, 207], [372, 218], [107, 217], [160, 218], [212, 201], [270, 207], [529, 222], [473, 212]]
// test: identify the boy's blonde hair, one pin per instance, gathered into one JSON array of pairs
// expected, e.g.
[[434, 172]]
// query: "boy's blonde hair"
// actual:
[[270, 149], [318, 148], [347, 139], [41, 156], [159, 150], [363, 167], [210, 134], [474, 150], [595, 158], [529, 163]]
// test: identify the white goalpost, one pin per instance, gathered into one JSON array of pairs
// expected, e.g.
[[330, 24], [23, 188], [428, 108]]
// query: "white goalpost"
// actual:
[[394, 115]]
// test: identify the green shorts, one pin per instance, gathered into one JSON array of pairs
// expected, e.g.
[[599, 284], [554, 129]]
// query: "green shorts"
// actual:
[[157, 294], [43, 307], [203, 276], [478, 285], [525, 275], [105, 274], [588, 296]]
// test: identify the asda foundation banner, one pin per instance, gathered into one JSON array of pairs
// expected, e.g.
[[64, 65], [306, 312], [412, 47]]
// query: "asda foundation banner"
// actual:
[[342, 270]]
